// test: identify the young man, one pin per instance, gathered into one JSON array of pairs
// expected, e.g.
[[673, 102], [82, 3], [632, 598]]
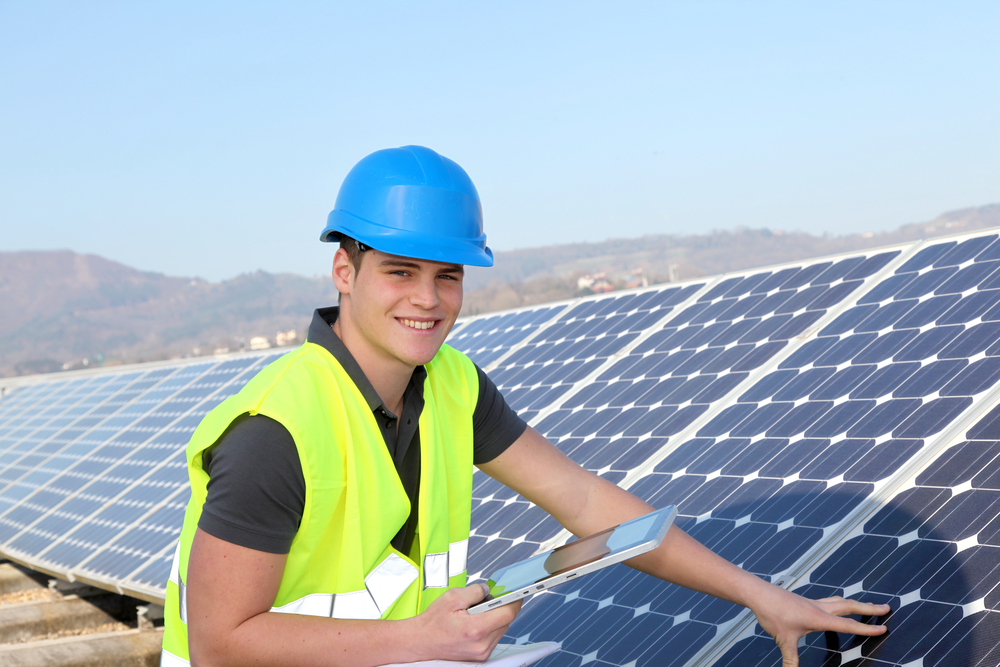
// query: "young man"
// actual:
[[329, 516]]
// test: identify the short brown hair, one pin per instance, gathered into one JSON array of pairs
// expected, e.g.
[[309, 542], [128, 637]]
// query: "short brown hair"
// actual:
[[353, 251]]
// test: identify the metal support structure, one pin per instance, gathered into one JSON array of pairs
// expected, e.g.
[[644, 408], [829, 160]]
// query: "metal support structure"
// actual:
[[147, 615]]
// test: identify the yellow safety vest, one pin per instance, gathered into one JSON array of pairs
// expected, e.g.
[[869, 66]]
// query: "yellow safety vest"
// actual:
[[341, 563]]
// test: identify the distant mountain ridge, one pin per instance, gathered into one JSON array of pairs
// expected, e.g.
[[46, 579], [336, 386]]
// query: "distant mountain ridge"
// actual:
[[59, 307], [691, 256]]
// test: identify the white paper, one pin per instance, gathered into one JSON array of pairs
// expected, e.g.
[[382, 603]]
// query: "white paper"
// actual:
[[504, 655]]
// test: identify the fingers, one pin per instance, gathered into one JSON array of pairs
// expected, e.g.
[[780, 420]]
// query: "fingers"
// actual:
[[834, 610], [500, 620], [470, 595], [839, 606], [503, 615], [850, 626], [789, 653]]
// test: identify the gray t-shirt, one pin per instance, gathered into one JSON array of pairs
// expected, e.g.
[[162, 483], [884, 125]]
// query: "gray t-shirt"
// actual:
[[256, 489]]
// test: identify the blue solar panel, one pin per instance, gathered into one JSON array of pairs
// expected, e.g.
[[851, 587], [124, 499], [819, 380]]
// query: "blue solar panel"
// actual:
[[119, 496], [564, 352], [932, 552], [671, 376], [102, 459], [701, 355], [578, 342], [767, 479], [487, 338]]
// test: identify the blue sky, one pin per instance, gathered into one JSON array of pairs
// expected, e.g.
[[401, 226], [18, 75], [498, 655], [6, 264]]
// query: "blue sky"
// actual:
[[209, 139]]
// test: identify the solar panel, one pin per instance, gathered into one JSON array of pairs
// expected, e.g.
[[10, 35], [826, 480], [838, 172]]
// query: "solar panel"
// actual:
[[567, 350], [657, 379], [932, 552], [769, 478], [73, 494], [487, 338], [822, 424]]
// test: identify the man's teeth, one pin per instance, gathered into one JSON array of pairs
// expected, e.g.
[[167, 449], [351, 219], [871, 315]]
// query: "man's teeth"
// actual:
[[418, 325]]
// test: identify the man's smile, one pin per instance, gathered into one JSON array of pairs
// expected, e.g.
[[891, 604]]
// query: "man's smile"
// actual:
[[418, 324]]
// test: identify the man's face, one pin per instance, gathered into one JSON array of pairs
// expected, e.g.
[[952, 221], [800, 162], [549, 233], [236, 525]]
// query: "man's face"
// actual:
[[398, 308]]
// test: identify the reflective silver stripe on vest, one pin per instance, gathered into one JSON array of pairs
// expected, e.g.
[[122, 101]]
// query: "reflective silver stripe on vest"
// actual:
[[389, 580], [436, 570], [458, 557], [175, 577], [182, 602], [317, 604], [168, 659], [383, 586], [358, 604], [175, 566]]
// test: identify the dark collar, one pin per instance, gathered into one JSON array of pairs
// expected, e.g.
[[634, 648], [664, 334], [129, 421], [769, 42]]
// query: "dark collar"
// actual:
[[321, 333]]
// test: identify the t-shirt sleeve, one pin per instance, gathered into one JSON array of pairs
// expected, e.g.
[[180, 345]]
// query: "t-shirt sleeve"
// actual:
[[256, 489], [495, 425]]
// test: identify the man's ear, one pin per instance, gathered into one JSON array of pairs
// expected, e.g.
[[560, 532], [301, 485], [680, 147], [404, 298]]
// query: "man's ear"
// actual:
[[343, 271]]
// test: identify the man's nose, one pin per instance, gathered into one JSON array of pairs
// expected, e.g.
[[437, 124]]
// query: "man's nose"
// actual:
[[425, 294]]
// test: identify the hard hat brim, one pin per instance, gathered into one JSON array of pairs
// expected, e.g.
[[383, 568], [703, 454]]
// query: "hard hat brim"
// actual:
[[405, 243]]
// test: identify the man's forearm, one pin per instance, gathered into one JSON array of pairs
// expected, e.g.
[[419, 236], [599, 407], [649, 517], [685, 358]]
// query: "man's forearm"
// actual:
[[289, 639], [680, 559]]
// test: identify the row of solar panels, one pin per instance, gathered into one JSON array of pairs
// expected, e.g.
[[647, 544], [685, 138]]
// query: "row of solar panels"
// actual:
[[820, 424]]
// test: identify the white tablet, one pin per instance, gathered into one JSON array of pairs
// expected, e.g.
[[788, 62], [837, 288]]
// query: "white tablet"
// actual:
[[578, 558]]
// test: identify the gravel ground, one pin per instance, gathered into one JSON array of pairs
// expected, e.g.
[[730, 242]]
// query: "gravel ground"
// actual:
[[107, 627], [29, 595], [111, 604]]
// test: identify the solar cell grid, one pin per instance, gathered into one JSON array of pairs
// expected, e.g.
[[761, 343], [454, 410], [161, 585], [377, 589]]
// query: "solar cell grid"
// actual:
[[14, 401], [933, 553], [31, 396], [597, 434], [487, 338], [802, 449], [763, 524], [40, 414], [66, 471], [28, 460], [577, 343], [562, 352], [161, 527], [83, 523], [672, 378]]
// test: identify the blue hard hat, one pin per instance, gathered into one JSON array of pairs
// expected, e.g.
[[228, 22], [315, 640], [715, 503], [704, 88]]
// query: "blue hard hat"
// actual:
[[411, 202]]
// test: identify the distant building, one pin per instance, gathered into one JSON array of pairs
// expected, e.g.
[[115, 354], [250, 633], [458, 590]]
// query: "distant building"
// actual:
[[285, 337], [597, 283], [259, 343], [636, 279]]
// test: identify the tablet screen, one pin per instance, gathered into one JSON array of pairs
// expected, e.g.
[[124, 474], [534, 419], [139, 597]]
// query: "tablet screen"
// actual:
[[576, 554]]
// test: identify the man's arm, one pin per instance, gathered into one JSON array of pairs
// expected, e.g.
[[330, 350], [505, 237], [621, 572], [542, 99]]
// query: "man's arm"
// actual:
[[585, 503], [230, 590]]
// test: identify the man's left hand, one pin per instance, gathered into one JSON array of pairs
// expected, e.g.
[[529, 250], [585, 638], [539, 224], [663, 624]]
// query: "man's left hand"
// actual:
[[788, 617]]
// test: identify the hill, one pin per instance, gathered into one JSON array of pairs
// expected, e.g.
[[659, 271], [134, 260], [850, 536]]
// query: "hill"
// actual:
[[536, 275], [60, 309]]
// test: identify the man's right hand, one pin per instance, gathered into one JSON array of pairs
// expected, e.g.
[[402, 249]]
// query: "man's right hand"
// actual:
[[455, 634]]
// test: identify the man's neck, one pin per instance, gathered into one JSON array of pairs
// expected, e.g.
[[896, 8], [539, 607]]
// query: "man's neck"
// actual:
[[389, 377]]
